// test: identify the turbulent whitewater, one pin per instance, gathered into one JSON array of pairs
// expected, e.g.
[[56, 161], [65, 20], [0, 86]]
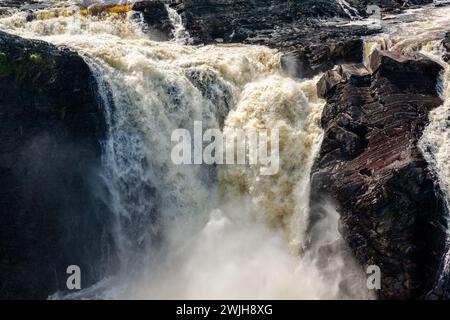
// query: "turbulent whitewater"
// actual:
[[197, 231]]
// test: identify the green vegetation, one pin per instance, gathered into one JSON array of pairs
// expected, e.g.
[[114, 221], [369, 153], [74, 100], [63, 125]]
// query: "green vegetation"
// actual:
[[3, 58], [35, 57], [5, 68], [24, 67]]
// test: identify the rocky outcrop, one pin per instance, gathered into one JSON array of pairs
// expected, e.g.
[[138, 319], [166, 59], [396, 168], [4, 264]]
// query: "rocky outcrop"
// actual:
[[243, 20], [51, 209], [370, 165]]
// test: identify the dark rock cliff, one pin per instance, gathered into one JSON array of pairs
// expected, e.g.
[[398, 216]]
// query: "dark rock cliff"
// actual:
[[51, 211], [370, 165]]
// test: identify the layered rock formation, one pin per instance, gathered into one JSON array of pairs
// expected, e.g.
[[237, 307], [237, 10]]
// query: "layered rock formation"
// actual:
[[51, 211], [370, 166]]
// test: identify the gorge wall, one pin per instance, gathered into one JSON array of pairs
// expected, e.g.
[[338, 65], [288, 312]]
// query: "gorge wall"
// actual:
[[51, 199]]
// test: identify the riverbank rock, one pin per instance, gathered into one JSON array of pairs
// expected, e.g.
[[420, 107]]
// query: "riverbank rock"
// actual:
[[51, 197], [371, 167]]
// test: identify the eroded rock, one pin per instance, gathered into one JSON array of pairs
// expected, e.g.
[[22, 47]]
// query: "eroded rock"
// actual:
[[370, 165]]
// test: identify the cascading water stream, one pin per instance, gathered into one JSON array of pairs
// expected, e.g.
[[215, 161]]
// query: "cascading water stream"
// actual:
[[180, 33], [351, 12]]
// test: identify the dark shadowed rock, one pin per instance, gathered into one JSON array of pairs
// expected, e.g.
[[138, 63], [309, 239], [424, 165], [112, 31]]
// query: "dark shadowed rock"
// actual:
[[51, 210], [350, 73], [370, 165], [156, 17], [318, 52]]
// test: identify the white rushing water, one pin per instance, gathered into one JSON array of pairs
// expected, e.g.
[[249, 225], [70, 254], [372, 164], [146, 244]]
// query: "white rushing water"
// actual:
[[180, 33], [199, 231]]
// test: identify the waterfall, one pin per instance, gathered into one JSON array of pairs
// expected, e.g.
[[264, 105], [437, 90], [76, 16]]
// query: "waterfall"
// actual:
[[199, 224]]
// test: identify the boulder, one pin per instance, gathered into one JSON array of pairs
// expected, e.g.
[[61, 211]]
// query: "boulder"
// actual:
[[351, 73], [370, 166]]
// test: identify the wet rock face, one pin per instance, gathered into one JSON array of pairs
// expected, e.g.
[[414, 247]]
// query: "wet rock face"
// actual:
[[156, 17], [51, 209], [370, 165]]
